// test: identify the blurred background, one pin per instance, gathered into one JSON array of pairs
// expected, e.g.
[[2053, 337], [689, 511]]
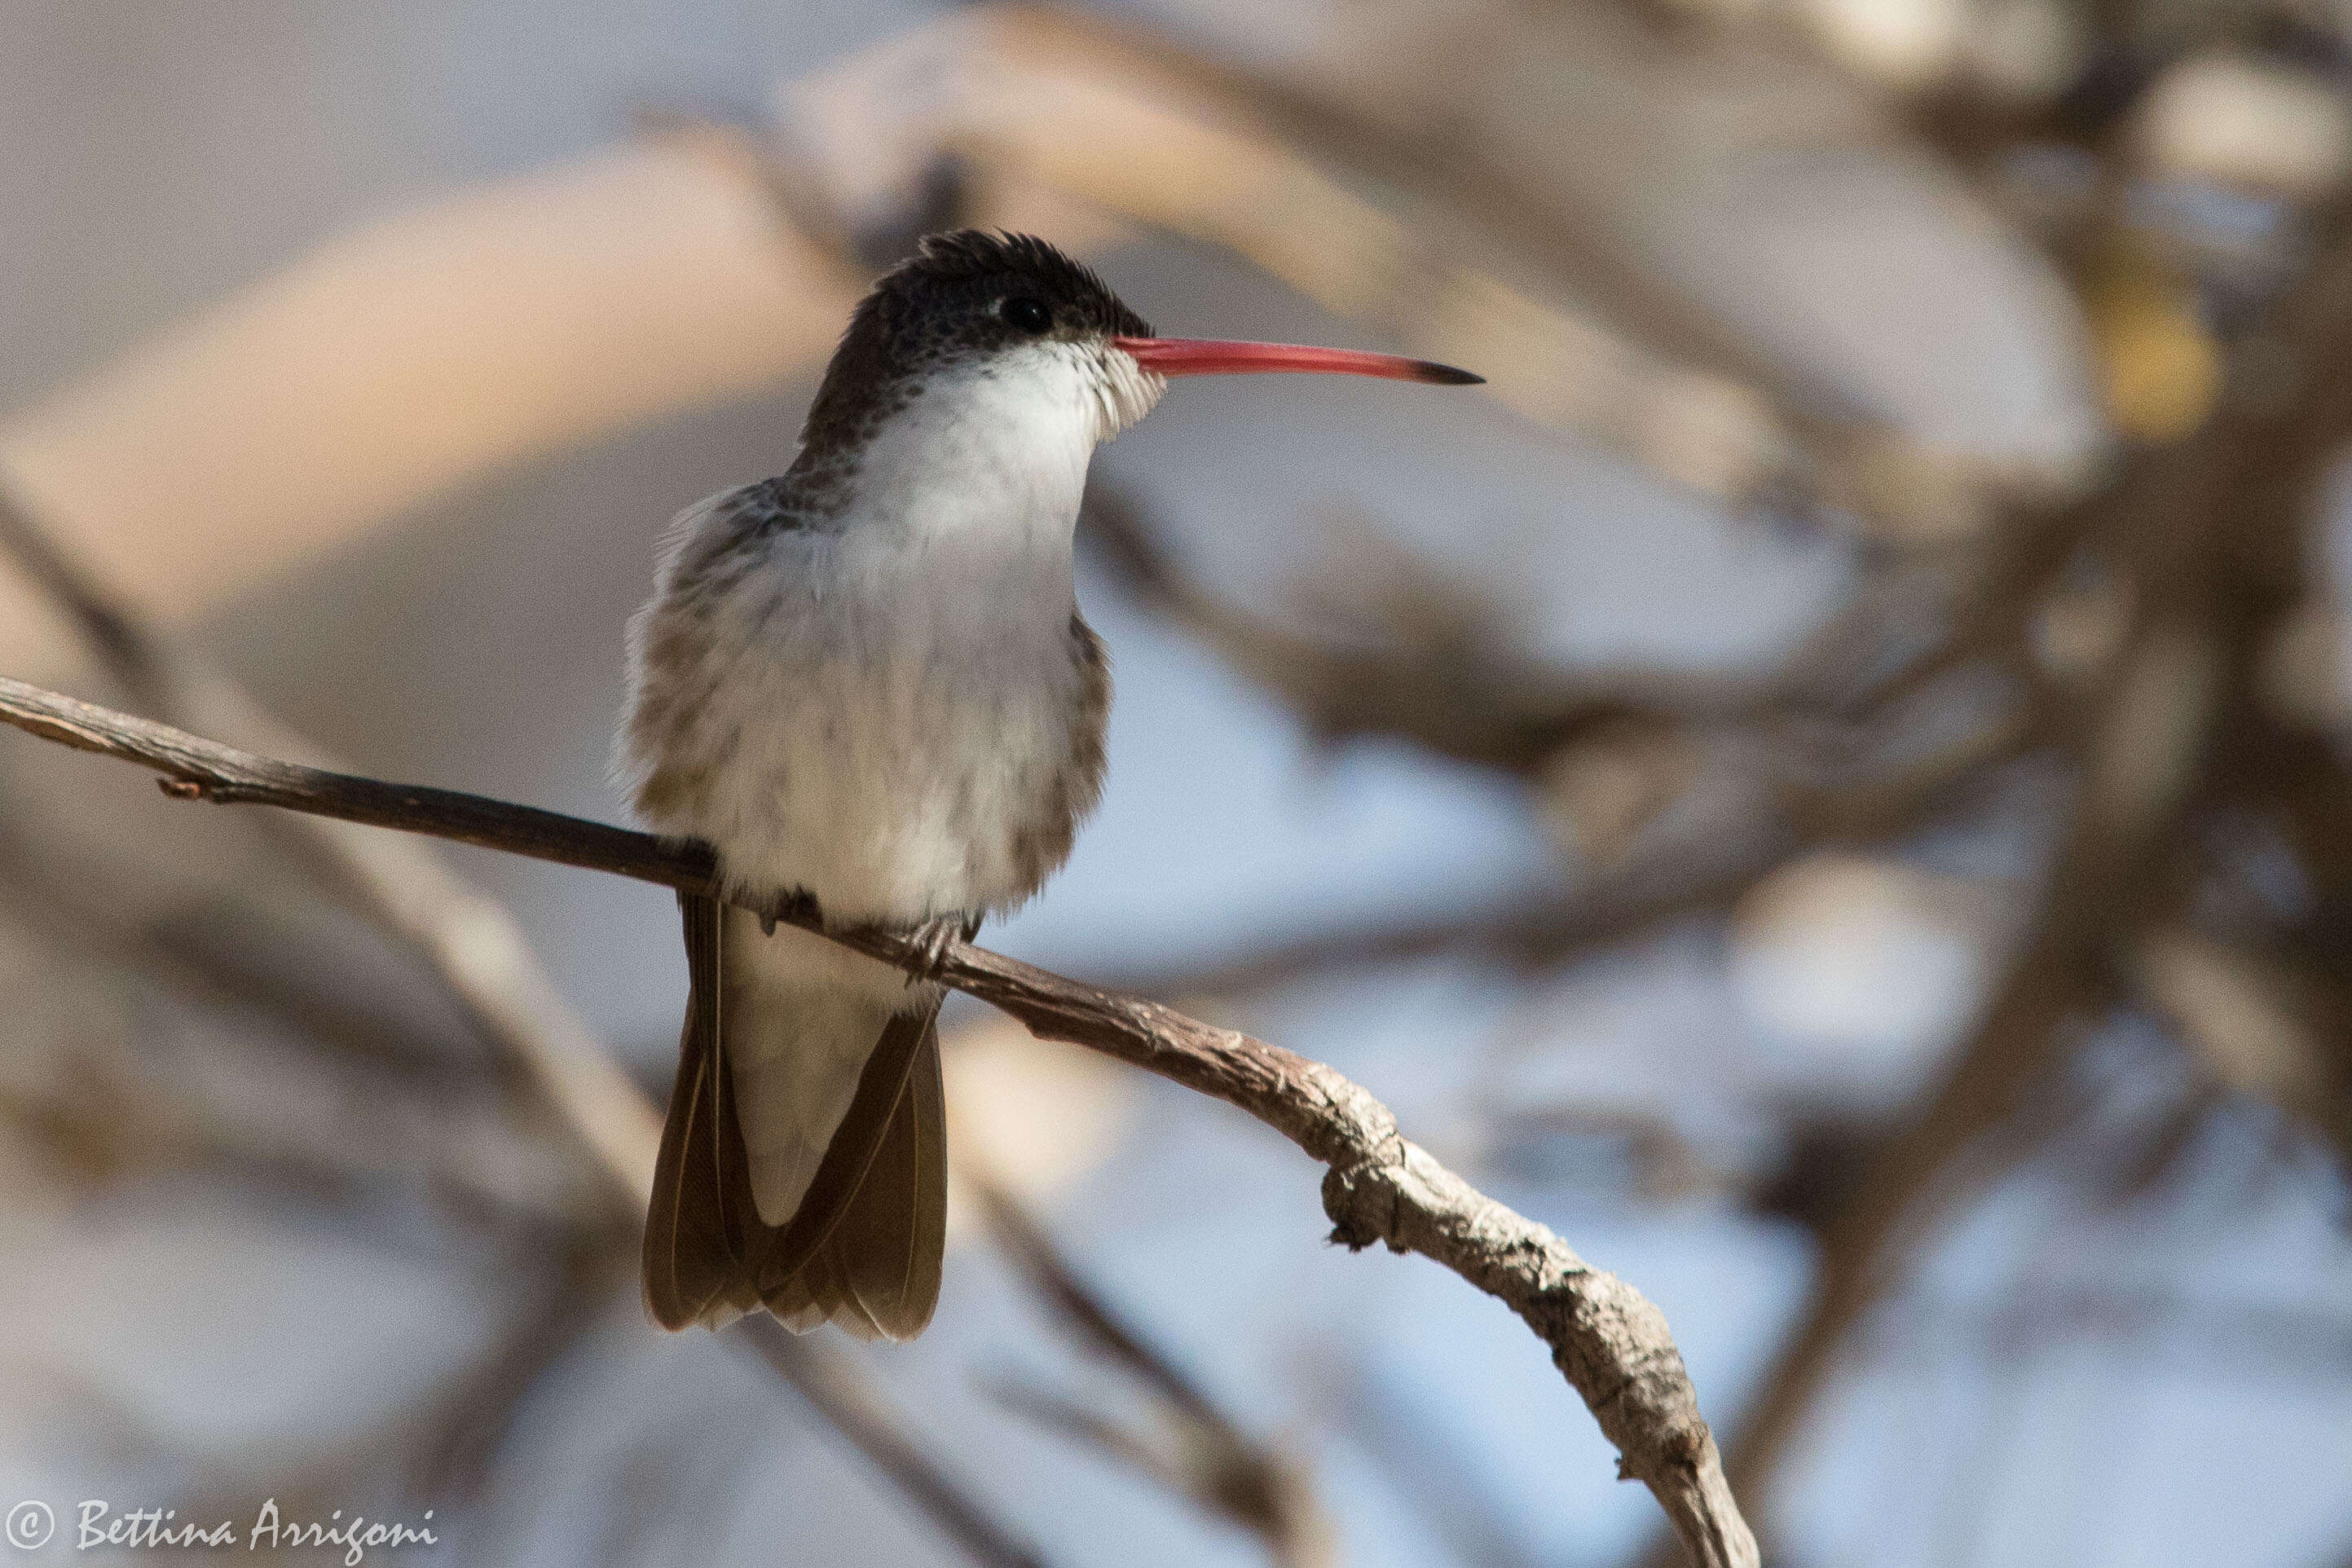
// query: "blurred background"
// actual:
[[1825, 782]]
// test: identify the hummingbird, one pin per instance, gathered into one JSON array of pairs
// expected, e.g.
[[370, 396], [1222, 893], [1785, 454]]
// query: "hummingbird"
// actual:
[[866, 686]]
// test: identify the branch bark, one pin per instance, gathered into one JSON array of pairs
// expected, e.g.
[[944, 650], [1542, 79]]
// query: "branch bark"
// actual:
[[1610, 1342]]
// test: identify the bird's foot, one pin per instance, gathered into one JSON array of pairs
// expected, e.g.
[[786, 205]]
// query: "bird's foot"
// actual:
[[797, 905], [933, 938]]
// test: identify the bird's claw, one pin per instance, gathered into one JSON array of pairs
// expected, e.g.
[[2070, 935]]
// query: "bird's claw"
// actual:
[[933, 939]]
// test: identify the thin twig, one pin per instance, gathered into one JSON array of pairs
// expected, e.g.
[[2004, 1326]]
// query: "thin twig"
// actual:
[[1609, 1340]]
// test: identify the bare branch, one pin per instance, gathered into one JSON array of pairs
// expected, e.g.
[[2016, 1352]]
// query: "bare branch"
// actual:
[[1610, 1342]]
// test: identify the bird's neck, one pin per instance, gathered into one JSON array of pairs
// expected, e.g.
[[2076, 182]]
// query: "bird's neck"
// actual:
[[978, 463]]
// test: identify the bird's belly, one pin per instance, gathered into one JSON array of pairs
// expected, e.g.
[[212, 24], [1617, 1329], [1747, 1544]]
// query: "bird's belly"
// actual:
[[901, 789]]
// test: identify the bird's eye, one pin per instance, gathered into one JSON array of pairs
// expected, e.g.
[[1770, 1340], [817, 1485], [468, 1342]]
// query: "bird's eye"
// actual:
[[1029, 315]]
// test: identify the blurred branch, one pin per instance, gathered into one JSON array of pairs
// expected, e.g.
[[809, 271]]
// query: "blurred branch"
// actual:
[[1444, 686], [1450, 693], [1164, 1463], [196, 954], [2261, 1024], [1517, 936], [841, 1392], [1218, 1466], [1609, 1342], [2223, 1338], [465, 939], [2188, 526], [1441, 686], [1426, 1464], [1410, 273], [452, 1456], [2111, 857], [404, 356], [1474, 200]]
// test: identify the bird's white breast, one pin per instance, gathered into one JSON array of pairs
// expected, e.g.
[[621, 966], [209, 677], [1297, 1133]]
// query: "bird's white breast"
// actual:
[[885, 696]]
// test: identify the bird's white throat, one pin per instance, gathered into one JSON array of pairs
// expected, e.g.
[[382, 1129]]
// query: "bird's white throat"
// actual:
[[996, 451]]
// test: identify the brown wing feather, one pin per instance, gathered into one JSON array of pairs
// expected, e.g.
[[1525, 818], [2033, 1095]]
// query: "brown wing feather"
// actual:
[[695, 1237], [851, 1154], [887, 1250]]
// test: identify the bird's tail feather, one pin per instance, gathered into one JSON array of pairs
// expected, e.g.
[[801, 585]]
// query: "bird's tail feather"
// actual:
[[863, 1245]]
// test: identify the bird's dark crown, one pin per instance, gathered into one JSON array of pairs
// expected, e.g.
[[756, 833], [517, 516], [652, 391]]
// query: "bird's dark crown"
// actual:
[[960, 285]]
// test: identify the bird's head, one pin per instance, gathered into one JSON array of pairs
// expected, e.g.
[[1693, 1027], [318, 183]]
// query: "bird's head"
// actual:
[[1009, 320]]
